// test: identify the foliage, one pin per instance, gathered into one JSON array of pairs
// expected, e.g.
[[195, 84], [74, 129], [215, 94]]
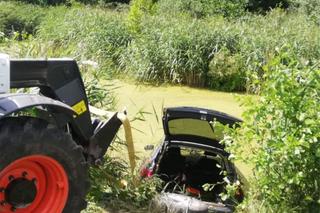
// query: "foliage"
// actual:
[[102, 2], [95, 34], [71, 2], [203, 8], [113, 184], [227, 71], [45, 2], [262, 36], [262, 5], [2, 37], [150, 45], [281, 133], [99, 93], [138, 9], [15, 17], [175, 50], [214, 52], [310, 7]]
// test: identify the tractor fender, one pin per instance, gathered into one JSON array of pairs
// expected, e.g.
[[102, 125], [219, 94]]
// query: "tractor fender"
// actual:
[[13, 103]]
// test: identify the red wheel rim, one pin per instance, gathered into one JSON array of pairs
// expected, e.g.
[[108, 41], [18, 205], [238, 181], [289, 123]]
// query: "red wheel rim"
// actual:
[[40, 178]]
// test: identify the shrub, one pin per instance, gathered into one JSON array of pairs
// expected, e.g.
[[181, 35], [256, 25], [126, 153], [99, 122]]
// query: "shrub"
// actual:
[[263, 35], [138, 9], [45, 2], [15, 17], [227, 71], [262, 5], [2, 37], [70, 2], [281, 136], [103, 1], [203, 8], [310, 7]]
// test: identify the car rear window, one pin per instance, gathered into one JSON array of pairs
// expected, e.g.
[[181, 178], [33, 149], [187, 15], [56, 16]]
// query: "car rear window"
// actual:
[[189, 126]]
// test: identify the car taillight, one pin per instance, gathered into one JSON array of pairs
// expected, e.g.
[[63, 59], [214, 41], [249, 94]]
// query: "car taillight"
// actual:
[[239, 194], [193, 191], [147, 170]]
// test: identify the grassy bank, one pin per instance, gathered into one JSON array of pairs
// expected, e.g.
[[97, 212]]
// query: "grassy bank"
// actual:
[[160, 45]]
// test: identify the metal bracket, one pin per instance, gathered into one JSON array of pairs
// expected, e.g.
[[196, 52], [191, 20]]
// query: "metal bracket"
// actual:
[[121, 116]]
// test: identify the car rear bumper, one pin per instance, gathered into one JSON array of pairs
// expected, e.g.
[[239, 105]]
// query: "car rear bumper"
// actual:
[[176, 203]]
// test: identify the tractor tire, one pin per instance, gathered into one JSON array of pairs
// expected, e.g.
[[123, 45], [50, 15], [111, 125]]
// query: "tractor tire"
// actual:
[[41, 168]]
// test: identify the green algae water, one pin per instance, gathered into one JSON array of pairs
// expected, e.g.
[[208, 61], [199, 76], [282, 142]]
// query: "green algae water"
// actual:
[[150, 100]]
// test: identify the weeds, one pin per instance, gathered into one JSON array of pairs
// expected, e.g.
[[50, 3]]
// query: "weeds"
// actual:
[[214, 52], [153, 44], [15, 17], [95, 34], [203, 8]]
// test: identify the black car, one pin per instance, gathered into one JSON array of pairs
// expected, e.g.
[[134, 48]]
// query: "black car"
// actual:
[[189, 158]]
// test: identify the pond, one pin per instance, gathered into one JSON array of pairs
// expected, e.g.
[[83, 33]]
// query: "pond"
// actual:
[[151, 100]]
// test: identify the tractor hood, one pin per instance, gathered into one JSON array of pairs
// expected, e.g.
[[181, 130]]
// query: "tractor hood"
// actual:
[[196, 125]]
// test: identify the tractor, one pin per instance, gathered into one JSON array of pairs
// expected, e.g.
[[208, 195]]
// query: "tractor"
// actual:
[[48, 139]]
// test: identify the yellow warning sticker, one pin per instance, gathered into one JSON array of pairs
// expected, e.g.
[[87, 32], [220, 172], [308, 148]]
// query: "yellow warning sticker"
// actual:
[[80, 107]]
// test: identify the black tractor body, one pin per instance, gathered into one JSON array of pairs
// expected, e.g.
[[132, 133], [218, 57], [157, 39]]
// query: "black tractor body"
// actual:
[[48, 138]]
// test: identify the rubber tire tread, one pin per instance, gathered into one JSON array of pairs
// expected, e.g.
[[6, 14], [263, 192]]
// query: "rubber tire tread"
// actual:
[[25, 136]]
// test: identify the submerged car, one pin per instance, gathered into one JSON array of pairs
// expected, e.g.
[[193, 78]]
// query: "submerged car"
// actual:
[[193, 164]]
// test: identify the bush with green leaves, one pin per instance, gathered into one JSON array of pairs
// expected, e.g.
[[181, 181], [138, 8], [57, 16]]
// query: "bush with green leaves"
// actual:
[[101, 2], [70, 2], [2, 37], [261, 36], [310, 7], [227, 71], [22, 18], [280, 137], [203, 8], [262, 5], [138, 10]]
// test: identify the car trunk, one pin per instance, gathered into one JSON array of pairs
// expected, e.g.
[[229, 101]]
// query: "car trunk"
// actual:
[[186, 171], [200, 131], [196, 125], [193, 163]]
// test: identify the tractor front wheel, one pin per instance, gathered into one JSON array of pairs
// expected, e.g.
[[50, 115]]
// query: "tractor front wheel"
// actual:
[[41, 168]]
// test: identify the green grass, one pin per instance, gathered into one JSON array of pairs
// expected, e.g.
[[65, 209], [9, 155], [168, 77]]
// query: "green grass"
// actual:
[[165, 46], [22, 18]]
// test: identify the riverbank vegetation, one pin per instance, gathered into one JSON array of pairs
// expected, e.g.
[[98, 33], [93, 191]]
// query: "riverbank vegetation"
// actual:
[[280, 137], [213, 44], [269, 48]]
